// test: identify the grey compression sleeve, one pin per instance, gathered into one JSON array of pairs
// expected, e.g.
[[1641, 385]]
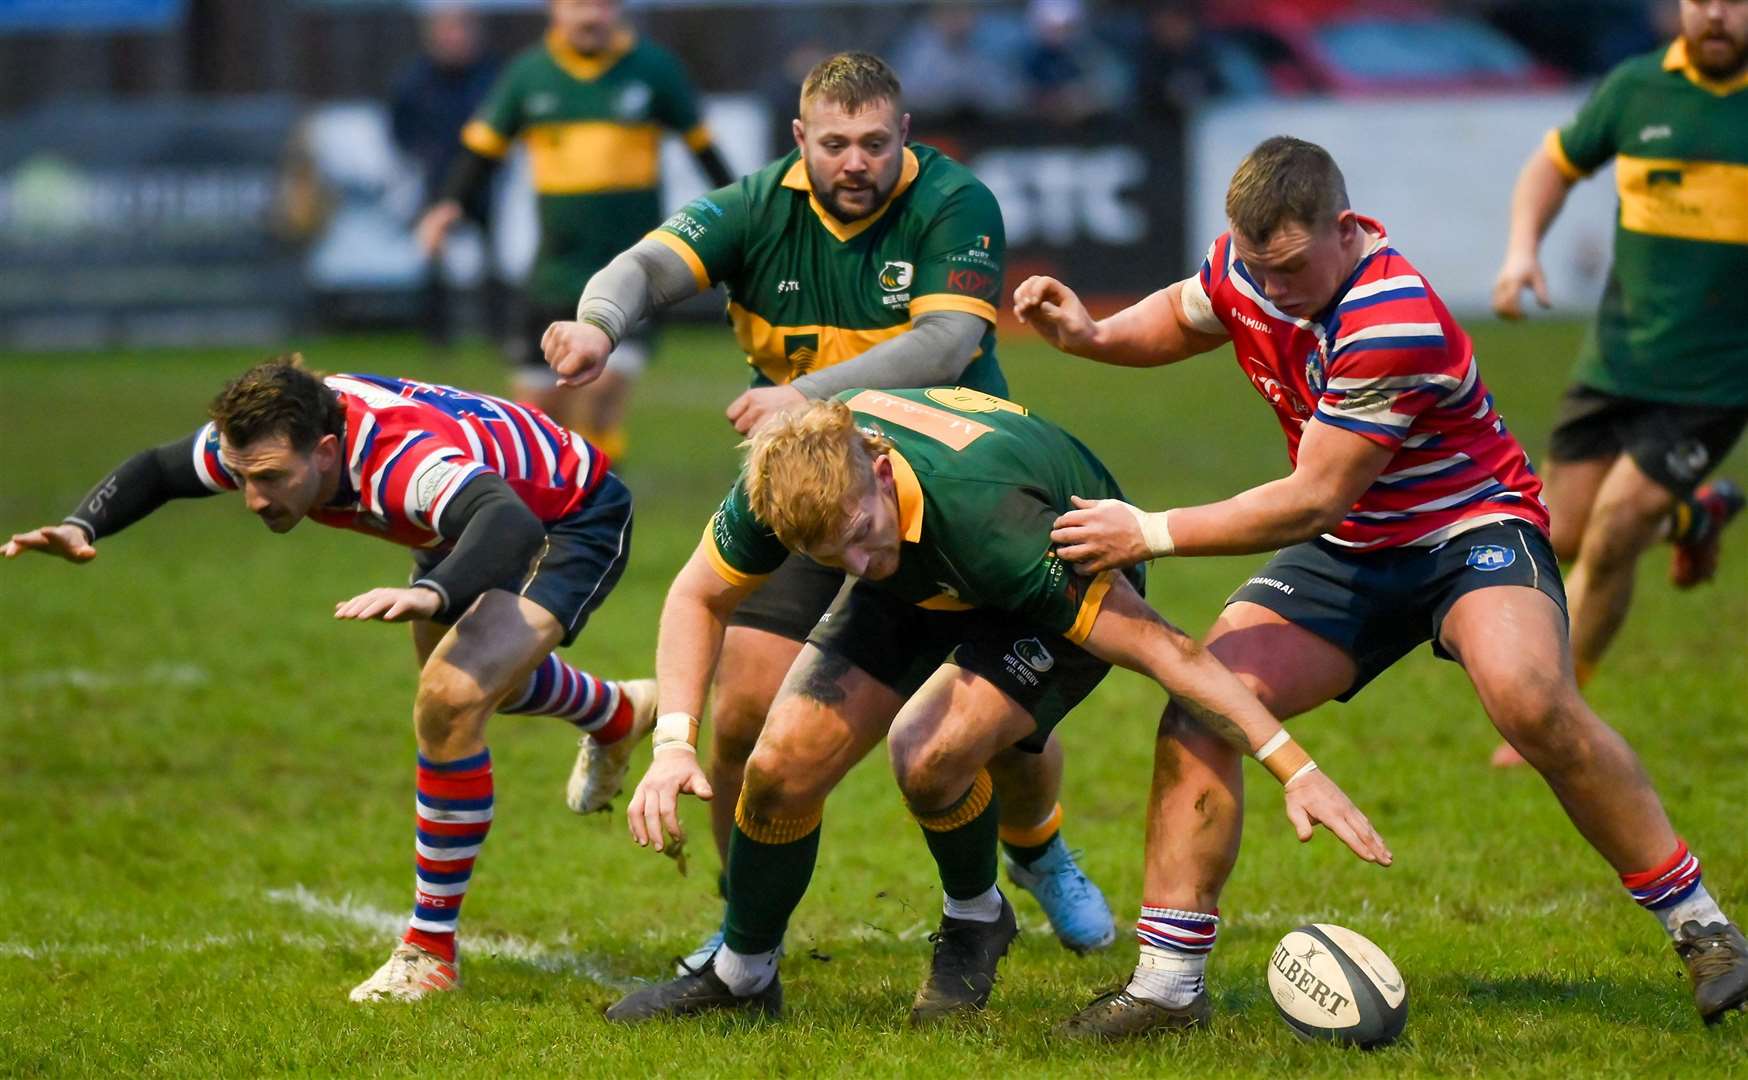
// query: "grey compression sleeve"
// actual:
[[645, 277], [933, 352]]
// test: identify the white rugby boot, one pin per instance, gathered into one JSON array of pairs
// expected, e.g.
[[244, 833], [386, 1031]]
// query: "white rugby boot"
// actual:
[[599, 772], [408, 975]]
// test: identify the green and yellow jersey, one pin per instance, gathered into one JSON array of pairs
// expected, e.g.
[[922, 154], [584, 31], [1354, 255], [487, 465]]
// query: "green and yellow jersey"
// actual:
[[807, 291], [1669, 327], [593, 126], [980, 483]]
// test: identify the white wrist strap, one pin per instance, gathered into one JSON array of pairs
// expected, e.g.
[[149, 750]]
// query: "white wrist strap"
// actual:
[[1308, 767], [1154, 532], [676, 731]]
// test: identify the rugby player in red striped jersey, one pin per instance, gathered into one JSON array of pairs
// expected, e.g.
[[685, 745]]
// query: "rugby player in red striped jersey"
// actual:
[[518, 532], [1411, 514]]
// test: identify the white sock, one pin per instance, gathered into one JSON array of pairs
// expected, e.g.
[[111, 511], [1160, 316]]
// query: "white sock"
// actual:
[[1172, 979], [745, 974], [984, 907], [1699, 907]]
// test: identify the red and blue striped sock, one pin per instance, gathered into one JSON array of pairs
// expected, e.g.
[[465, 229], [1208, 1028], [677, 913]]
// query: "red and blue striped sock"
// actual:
[[573, 695], [454, 810], [1174, 954], [1673, 892]]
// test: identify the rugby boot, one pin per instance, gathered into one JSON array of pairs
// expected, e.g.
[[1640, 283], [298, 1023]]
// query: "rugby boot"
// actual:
[[962, 973], [599, 772], [1117, 1014], [1696, 556], [408, 975], [1716, 956], [693, 994], [1074, 905]]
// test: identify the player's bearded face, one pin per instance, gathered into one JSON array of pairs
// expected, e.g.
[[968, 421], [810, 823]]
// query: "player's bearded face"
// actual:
[[1299, 267], [280, 484], [1717, 35], [853, 160], [586, 25]]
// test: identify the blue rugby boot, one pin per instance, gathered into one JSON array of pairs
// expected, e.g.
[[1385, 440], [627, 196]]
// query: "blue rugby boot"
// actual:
[[1074, 905]]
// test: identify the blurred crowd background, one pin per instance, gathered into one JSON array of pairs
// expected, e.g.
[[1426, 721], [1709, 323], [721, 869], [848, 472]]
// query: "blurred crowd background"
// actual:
[[236, 170]]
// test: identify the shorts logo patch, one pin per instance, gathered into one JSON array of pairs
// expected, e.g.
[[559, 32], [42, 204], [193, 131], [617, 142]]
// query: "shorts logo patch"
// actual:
[[1036, 656], [1687, 460], [1490, 557]]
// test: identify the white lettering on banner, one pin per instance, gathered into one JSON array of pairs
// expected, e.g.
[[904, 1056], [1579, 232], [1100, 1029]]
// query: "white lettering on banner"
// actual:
[[1060, 195]]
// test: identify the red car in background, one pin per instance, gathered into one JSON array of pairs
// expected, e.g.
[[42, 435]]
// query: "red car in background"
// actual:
[[1363, 48]]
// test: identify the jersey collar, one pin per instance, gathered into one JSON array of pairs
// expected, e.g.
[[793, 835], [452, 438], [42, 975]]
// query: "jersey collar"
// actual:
[[910, 497], [1676, 59], [588, 68], [796, 179]]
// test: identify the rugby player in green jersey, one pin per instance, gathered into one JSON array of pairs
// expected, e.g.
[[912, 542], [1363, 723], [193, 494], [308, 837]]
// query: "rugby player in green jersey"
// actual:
[[1660, 393], [590, 102], [962, 635], [856, 260]]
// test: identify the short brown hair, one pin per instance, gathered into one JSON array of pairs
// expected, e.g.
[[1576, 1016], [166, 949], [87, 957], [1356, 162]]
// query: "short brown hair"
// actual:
[[804, 466], [278, 397], [853, 80], [1284, 179]]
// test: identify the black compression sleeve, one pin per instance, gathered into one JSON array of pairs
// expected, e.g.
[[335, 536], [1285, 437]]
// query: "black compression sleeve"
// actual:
[[710, 160], [496, 539], [139, 486], [468, 181]]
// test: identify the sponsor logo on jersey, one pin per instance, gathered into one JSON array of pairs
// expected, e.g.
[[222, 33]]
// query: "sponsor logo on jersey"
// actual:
[[971, 401], [1655, 131], [896, 275], [1036, 656], [970, 282], [1255, 324], [1490, 557], [541, 104]]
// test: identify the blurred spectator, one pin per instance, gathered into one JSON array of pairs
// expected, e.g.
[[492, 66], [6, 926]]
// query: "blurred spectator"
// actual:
[[432, 101], [952, 70], [1175, 68], [1070, 75]]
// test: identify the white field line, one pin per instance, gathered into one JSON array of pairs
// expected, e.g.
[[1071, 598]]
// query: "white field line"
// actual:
[[50, 950], [152, 675], [559, 958]]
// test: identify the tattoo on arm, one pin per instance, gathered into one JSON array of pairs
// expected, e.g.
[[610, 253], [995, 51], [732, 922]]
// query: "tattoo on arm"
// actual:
[[820, 680], [1214, 723]]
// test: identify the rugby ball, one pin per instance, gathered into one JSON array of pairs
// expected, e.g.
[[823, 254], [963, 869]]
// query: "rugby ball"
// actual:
[[1330, 983]]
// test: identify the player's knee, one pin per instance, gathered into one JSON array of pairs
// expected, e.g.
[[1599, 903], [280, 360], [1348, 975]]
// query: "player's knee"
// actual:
[[773, 786], [930, 776], [447, 701], [1542, 717], [1616, 536], [1566, 538]]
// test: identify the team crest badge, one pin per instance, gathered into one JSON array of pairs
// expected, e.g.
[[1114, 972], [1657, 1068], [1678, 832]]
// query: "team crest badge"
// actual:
[[896, 276], [1036, 656], [1490, 557]]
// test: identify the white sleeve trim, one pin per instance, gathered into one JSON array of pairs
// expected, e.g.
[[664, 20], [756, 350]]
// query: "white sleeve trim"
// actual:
[[1198, 309]]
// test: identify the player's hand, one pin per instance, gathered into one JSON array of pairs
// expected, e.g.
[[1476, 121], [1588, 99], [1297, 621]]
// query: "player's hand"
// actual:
[[654, 810], [577, 351], [1313, 800], [391, 605], [434, 224], [1520, 272], [67, 541], [750, 409], [1099, 535], [1051, 308]]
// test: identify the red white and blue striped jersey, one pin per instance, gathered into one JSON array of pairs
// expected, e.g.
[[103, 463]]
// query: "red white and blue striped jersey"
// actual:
[[411, 446], [1386, 361]]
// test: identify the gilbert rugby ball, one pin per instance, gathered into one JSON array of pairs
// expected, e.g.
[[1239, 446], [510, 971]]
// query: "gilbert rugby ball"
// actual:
[[1330, 983]]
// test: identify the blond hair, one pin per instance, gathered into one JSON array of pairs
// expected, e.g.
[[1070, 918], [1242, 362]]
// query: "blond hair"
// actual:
[[851, 80], [1284, 180], [803, 468]]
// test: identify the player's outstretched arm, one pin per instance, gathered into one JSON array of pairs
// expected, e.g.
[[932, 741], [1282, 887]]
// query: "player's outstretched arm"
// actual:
[[137, 487], [1154, 332], [1129, 633], [644, 278], [1535, 202], [1335, 468], [694, 617]]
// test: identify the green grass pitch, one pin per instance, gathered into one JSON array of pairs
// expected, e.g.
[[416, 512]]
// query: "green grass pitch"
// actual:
[[206, 789]]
